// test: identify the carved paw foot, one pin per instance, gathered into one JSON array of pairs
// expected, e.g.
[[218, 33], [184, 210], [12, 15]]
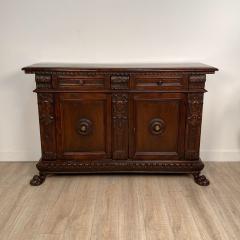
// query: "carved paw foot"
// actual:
[[200, 179], [37, 180]]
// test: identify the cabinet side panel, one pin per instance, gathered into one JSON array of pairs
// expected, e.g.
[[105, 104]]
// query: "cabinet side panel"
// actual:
[[47, 125]]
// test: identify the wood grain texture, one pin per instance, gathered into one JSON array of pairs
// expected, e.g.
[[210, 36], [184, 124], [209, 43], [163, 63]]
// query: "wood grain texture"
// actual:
[[119, 207]]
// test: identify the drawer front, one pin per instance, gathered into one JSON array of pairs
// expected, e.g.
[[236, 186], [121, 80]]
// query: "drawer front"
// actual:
[[83, 82], [160, 82]]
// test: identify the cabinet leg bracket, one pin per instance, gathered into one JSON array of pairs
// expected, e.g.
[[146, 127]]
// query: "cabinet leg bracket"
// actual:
[[38, 179], [200, 179]]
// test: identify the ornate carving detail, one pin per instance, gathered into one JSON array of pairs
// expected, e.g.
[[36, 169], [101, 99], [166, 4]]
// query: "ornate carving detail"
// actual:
[[197, 81], [195, 99], [119, 82], [84, 127], [47, 125], [195, 102], [45, 105], [155, 166], [120, 109], [107, 73], [43, 81], [38, 179], [194, 119], [157, 126], [198, 78], [120, 125], [45, 98], [46, 120], [130, 165], [200, 179], [68, 72]]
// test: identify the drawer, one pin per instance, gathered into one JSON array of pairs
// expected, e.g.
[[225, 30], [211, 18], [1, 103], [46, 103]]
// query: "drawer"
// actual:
[[83, 82], [160, 82]]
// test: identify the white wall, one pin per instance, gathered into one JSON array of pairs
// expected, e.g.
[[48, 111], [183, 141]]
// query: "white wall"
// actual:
[[119, 31]]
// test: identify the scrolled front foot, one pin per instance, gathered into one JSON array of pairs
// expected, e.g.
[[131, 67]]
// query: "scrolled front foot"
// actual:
[[38, 179], [200, 179]]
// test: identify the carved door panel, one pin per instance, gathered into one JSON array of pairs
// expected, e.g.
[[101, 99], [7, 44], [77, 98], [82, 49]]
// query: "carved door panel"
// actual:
[[158, 126], [84, 126]]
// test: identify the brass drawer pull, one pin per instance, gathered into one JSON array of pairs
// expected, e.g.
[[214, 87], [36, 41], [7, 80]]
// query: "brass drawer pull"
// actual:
[[84, 126], [157, 126], [80, 82], [159, 83]]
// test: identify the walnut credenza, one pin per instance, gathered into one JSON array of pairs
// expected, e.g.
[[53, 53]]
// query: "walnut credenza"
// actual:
[[109, 118]]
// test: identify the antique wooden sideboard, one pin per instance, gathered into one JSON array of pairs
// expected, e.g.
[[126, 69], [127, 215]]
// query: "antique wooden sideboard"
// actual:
[[120, 118]]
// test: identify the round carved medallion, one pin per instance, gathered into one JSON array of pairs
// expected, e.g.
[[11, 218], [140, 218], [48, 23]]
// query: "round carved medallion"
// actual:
[[84, 126], [157, 126]]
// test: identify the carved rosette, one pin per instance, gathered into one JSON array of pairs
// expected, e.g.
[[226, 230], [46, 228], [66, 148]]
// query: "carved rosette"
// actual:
[[120, 125], [47, 125], [194, 120], [43, 81], [197, 81], [119, 82]]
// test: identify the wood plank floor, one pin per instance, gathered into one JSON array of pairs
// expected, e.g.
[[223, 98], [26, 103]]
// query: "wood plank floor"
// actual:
[[124, 207]]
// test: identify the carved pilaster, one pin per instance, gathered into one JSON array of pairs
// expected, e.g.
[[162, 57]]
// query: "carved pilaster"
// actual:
[[194, 120], [47, 125], [43, 81], [120, 125]]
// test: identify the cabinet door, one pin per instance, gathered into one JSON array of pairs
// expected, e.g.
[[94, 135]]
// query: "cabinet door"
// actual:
[[158, 125], [83, 126]]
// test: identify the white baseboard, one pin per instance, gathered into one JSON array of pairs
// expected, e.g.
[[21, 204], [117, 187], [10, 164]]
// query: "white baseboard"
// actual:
[[206, 155], [19, 156], [220, 155]]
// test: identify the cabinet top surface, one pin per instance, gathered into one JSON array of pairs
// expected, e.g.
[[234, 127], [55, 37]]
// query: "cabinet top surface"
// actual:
[[182, 67]]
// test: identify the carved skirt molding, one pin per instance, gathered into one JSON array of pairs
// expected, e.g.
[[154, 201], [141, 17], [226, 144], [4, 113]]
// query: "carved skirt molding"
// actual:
[[65, 166]]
